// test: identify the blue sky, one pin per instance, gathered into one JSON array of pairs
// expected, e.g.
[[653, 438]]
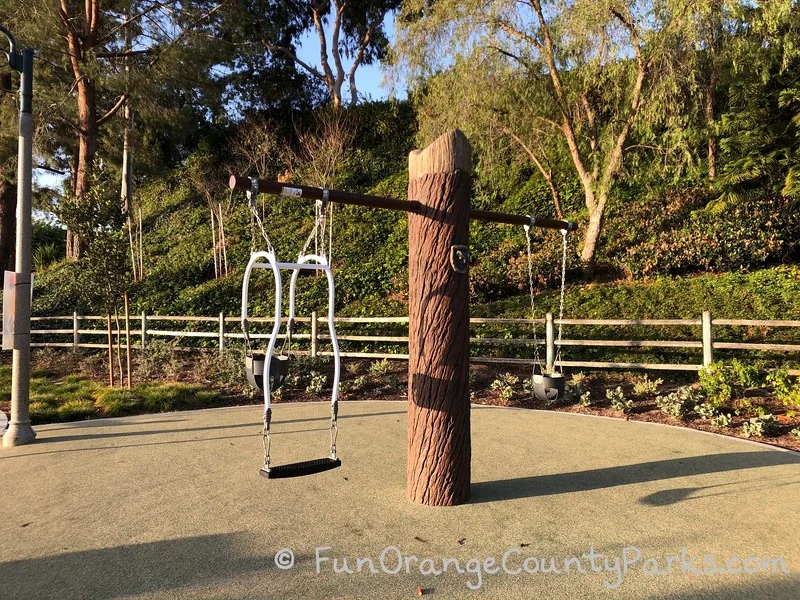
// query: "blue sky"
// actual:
[[369, 78]]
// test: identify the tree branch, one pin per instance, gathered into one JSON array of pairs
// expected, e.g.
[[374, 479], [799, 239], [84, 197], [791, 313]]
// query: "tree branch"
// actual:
[[323, 48], [114, 109], [50, 169], [546, 174], [136, 17], [123, 53], [518, 34], [293, 56], [360, 56]]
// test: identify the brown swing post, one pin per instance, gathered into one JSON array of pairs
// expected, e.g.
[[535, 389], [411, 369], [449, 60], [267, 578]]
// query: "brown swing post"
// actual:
[[439, 449]]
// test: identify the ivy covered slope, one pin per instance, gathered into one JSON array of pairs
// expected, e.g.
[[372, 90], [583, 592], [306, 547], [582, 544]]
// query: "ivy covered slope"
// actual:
[[664, 253]]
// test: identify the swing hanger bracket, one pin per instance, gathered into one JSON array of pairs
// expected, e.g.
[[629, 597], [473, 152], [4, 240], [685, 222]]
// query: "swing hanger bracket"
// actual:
[[252, 193], [459, 259], [323, 202]]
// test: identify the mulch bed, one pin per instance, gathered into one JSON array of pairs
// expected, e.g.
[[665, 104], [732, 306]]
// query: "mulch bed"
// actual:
[[393, 385]]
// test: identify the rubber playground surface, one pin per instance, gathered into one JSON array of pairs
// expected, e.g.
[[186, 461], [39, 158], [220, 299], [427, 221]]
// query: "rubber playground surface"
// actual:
[[563, 506]]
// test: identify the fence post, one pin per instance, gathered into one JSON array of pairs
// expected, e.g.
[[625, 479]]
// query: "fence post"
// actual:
[[221, 333], [550, 341], [314, 332], [144, 329], [76, 340], [708, 339]]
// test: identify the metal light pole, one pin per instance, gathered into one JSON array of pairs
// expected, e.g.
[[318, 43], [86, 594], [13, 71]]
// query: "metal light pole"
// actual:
[[19, 427]]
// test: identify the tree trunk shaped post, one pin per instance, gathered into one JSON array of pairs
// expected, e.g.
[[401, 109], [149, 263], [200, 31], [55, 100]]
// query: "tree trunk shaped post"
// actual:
[[439, 452]]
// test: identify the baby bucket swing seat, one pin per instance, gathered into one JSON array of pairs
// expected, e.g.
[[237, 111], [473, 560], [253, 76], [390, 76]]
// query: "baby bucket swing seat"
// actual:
[[547, 386], [268, 372]]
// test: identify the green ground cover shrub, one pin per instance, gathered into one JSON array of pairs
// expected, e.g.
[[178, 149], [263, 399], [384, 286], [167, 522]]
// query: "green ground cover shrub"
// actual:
[[77, 397], [679, 403]]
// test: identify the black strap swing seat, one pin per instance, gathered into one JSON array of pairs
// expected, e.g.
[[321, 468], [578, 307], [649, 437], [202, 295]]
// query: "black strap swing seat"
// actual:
[[298, 469]]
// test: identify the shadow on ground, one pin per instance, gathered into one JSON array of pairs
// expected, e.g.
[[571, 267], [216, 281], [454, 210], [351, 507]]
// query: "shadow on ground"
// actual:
[[131, 570], [581, 481]]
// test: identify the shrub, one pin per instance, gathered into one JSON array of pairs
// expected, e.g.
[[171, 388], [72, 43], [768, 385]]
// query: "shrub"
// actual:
[[781, 381], [706, 410], [786, 391], [174, 396], [711, 240], [643, 386], [226, 367], [716, 383], [766, 425], [585, 399], [114, 402], [74, 410], [379, 368], [353, 367], [503, 385], [618, 401], [42, 412], [722, 420], [579, 378], [45, 256], [748, 376], [572, 391], [354, 384], [679, 403], [158, 358], [316, 383], [795, 432]]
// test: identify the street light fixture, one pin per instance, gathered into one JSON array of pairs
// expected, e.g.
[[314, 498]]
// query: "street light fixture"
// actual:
[[19, 427]]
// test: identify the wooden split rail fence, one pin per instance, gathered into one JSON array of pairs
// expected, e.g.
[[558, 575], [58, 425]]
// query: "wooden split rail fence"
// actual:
[[227, 329]]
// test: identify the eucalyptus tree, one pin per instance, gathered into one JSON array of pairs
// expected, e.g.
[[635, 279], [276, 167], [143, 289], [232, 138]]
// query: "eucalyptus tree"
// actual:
[[349, 31], [94, 55], [576, 74]]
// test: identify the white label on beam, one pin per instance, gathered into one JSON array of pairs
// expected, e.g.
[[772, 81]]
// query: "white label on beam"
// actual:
[[290, 191]]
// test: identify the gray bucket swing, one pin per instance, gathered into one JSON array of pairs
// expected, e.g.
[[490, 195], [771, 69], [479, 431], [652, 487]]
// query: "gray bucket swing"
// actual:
[[267, 371], [549, 384]]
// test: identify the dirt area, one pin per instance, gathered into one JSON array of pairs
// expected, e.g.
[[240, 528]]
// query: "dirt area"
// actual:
[[387, 380]]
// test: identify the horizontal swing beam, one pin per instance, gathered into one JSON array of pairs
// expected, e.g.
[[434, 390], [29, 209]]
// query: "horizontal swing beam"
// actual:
[[412, 206]]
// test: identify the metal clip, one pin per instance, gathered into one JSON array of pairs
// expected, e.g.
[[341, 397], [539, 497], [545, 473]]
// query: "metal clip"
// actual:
[[323, 203], [252, 193], [459, 259]]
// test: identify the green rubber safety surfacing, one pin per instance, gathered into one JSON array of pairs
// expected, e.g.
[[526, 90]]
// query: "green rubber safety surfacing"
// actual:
[[308, 467]]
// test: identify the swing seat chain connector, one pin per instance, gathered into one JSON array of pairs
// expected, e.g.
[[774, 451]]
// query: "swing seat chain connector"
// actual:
[[459, 259], [252, 193]]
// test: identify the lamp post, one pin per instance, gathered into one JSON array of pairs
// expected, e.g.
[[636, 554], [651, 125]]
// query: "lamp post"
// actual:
[[19, 427]]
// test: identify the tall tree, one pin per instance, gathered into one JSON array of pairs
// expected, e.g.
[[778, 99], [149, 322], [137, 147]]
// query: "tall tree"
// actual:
[[595, 66], [356, 30], [81, 66], [760, 130]]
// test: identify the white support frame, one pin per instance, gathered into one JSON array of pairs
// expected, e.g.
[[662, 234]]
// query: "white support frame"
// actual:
[[304, 262]]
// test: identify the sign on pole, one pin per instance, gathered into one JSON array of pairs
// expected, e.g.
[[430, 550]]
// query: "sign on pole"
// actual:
[[9, 309]]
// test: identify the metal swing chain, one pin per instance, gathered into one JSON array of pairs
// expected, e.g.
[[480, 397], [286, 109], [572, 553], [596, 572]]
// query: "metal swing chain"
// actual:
[[334, 427], [252, 195], [527, 228], [536, 359], [266, 440], [561, 302], [320, 218]]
